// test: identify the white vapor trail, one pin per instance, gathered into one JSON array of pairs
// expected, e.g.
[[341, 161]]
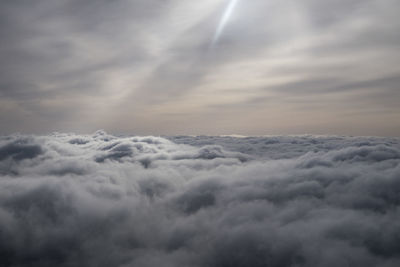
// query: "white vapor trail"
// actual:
[[224, 20]]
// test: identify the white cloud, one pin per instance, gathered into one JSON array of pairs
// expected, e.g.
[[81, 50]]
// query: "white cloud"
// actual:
[[102, 200]]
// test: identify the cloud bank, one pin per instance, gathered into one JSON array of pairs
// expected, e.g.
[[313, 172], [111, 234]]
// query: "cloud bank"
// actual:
[[103, 200]]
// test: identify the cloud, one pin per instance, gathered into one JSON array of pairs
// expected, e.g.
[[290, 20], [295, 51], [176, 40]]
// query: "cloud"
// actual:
[[150, 61], [104, 200]]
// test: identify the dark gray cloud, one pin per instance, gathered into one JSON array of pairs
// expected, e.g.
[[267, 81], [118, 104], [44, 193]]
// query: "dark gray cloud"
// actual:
[[102, 200], [72, 65]]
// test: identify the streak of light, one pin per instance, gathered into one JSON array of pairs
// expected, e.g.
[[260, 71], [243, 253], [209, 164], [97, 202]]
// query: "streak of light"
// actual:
[[225, 18]]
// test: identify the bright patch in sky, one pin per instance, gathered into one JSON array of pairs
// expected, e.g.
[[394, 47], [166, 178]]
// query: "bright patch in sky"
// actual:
[[224, 20]]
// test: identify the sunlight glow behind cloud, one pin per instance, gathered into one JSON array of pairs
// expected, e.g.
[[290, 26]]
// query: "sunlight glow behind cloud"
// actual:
[[225, 18]]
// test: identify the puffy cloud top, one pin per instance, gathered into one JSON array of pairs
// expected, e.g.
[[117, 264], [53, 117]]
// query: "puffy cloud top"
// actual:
[[103, 200]]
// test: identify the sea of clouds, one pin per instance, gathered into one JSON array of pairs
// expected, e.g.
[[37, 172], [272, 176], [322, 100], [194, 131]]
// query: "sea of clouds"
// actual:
[[102, 200]]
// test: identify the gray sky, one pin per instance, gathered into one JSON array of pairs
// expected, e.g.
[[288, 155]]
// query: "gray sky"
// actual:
[[151, 67]]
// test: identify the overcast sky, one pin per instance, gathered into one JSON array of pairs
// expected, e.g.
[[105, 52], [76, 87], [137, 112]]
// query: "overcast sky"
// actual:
[[161, 66]]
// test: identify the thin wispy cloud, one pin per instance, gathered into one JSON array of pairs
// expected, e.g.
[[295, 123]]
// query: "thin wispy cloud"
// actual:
[[72, 65]]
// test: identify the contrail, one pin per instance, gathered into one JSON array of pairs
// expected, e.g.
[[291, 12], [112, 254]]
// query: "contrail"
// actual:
[[223, 21]]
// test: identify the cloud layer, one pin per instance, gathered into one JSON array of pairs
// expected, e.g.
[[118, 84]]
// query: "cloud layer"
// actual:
[[102, 200], [298, 67]]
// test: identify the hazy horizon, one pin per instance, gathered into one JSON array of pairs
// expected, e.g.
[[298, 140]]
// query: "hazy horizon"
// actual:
[[234, 135]]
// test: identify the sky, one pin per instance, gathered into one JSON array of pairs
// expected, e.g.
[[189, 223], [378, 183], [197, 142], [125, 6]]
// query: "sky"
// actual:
[[172, 67]]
